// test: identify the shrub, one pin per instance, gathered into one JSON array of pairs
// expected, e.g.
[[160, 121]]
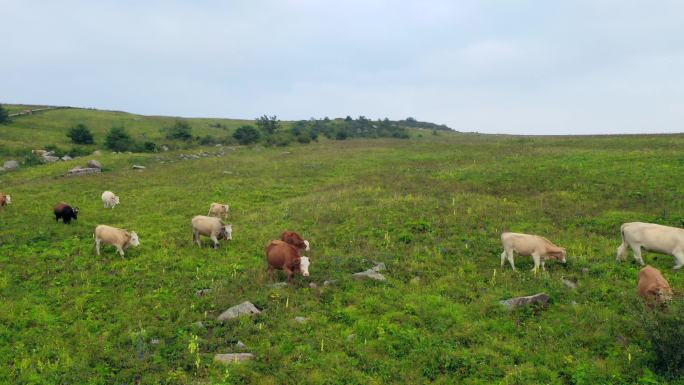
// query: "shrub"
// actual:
[[4, 115], [119, 140], [58, 152], [341, 135], [149, 147], [181, 130], [664, 331], [78, 151], [208, 140], [246, 135], [32, 159], [80, 134], [268, 124], [303, 139]]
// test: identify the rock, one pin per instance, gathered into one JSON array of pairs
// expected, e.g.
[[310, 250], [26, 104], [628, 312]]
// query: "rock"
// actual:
[[330, 282], [278, 285], [94, 164], [541, 298], [11, 165], [351, 337], [97, 153], [202, 292], [313, 285], [240, 345], [570, 282], [233, 357], [49, 159], [379, 267], [136, 167], [83, 171], [66, 157], [155, 341], [165, 148], [300, 320], [585, 270], [245, 308], [199, 325], [414, 280], [372, 273]]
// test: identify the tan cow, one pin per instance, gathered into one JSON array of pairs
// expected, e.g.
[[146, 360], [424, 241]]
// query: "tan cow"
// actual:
[[538, 247], [218, 210], [211, 227], [650, 236], [119, 238], [5, 199], [653, 287]]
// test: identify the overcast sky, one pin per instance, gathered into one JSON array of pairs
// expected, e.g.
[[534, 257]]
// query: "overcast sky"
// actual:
[[533, 67]]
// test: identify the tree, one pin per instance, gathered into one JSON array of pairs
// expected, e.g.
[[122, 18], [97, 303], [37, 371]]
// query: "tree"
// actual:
[[4, 115], [80, 134], [181, 130], [118, 139], [268, 124], [246, 135]]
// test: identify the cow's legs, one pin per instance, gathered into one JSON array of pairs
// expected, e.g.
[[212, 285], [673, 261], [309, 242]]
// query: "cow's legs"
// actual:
[[637, 253], [537, 261], [121, 252], [504, 256], [97, 246], [543, 265], [679, 257], [216, 242], [510, 259], [196, 238], [621, 251]]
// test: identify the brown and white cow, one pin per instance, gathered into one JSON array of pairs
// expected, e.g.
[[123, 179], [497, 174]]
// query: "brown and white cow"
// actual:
[[538, 247], [218, 210], [295, 240], [283, 256], [650, 236], [653, 287], [5, 199], [119, 238]]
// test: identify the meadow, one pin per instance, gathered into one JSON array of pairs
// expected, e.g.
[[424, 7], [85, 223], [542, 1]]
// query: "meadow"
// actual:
[[431, 208]]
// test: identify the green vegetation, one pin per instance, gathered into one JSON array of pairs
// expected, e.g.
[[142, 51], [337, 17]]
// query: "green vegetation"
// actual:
[[80, 134], [4, 115], [180, 130], [246, 135], [118, 139]]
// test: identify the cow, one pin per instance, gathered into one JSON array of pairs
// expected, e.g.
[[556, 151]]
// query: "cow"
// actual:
[[295, 240], [211, 227], [218, 210], [538, 247], [5, 199], [65, 212], [283, 256], [109, 199], [653, 237], [122, 239], [653, 287]]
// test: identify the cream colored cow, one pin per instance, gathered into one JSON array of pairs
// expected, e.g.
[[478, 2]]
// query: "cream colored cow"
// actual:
[[119, 238], [653, 237], [218, 210], [538, 247]]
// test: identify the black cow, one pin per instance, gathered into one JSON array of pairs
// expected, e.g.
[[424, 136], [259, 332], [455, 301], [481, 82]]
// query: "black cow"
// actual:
[[64, 211]]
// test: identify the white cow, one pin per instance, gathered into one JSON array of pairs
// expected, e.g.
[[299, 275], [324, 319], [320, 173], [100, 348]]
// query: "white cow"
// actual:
[[119, 238], [211, 227], [538, 247], [109, 199], [653, 237], [218, 210]]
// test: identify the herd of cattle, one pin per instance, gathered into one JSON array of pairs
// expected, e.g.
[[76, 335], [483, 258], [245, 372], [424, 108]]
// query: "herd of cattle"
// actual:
[[285, 254]]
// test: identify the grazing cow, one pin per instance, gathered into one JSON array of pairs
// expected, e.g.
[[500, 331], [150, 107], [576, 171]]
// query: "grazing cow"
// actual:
[[283, 256], [66, 212], [653, 237], [538, 247], [218, 210], [109, 199], [122, 239], [5, 199], [295, 240], [653, 287], [211, 227]]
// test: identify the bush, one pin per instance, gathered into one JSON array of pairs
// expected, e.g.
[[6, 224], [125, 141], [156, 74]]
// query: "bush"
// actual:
[[341, 135], [303, 139], [4, 115], [246, 135], [664, 331], [78, 151], [80, 134], [119, 140], [208, 140], [149, 147], [58, 152], [268, 124], [181, 130]]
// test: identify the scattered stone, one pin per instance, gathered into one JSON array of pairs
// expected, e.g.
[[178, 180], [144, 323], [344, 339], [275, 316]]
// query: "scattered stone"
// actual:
[[574, 303], [155, 341], [372, 273], [83, 171], [240, 345], [50, 158], [202, 292], [541, 298], [414, 280], [330, 282], [278, 285], [245, 308], [233, 357], [165, 148], [351, 337], [11, 165], [137, 167], [94, 164], [378, 267], [570, 282], [300, 320], [200, 325], [313, 285], [97, 153], [227, 172], [585, 270], [66, 157]]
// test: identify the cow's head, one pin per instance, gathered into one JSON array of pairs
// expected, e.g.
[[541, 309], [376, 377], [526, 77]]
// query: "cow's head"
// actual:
[[226, 232], [306, 245], [662, 295], [8, 199], [304, 266], [116, 199], [135, 241], [75, 211], [559, 255]]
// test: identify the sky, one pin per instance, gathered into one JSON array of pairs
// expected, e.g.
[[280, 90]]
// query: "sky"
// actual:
[[504, 66]]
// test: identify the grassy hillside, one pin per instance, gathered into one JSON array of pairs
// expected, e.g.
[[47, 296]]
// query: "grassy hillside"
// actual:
[[430, 208]]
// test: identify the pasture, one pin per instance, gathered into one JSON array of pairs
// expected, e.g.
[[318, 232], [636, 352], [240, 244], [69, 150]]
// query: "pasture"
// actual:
[[431, 208]]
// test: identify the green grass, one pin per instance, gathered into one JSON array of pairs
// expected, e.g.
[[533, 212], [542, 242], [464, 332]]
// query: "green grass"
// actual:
[[431, 208]]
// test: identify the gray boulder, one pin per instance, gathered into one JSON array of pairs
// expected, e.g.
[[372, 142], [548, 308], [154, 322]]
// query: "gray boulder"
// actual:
[[11, 165], [202, 292], [94, 164], [245, 308], [570, 282], [97, 153], [512, 303], [66, 157], [372, 273], [83, 171], [240, 345], [50, 158], [137, 167], [233, 357], [300, 320]]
